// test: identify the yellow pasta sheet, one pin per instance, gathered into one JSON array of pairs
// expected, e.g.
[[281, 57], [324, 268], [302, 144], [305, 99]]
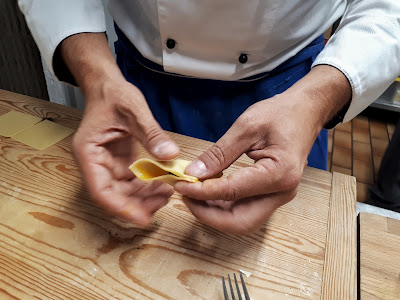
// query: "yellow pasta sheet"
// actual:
[[14, 122], [167, 171], [43, 135]]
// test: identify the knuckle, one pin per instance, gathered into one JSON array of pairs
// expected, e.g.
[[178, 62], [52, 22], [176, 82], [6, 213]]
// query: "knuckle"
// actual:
[[153, 133], [75, 142], [292, 179], [76, 145], [227, 191], [249, 123], [245, 229], [233, 193], [215, 156], [292, 194]]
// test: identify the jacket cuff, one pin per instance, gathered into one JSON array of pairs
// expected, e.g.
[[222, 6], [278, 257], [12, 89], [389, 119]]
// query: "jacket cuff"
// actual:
[[50, 22]]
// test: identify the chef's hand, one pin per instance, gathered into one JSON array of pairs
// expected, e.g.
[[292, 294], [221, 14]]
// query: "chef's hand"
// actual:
[[116, 117], [278, 134]]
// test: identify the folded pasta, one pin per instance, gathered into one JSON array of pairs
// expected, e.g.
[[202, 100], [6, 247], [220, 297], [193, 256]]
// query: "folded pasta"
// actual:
[[167, 171]]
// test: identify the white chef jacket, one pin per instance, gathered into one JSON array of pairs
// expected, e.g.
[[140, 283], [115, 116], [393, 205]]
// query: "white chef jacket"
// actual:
[[210, 35]]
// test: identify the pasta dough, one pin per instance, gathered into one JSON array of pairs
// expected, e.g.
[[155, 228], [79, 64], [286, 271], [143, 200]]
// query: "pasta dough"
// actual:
[[43, 135], [13, 122], [167, 171]]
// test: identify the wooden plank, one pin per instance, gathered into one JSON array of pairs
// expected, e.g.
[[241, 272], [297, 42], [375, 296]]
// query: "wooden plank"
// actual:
[[378, 129], [379, 255], [341, 157], [341, 170], [363, 171], [340, 270], [56, 243], [343, 138], [362, 191]]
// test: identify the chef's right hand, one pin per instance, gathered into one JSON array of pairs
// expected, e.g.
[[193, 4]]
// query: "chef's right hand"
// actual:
[[116, 118]]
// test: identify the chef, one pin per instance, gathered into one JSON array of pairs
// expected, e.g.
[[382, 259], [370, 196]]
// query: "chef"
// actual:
[[252, 76]]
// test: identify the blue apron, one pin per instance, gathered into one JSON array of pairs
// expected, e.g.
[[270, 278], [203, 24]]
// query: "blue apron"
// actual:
[[206, 109]]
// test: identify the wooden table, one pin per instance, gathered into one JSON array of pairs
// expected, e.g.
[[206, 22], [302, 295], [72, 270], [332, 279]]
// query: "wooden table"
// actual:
[[56, 243], [379, 257]]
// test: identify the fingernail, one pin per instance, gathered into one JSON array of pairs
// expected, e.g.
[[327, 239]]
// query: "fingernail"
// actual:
[[196, 168], [165, 148]]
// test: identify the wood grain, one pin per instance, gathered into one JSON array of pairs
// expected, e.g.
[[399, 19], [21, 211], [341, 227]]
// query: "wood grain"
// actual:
[[340, 271], [56, 243], [379, 255]]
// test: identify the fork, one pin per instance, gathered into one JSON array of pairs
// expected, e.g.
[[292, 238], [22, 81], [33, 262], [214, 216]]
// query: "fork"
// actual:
[[226, 297]]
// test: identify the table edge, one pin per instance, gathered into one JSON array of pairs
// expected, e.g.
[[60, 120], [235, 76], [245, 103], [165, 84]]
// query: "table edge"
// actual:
[[340, 267]]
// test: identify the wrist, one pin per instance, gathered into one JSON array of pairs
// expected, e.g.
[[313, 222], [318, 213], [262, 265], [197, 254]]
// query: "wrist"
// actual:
[[97, 84], [96, 77], [90, 60], [324, 91]]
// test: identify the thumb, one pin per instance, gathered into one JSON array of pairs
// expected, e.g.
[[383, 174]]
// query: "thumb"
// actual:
[[153, 137], [220, 156], [157, 142], [144, 127]]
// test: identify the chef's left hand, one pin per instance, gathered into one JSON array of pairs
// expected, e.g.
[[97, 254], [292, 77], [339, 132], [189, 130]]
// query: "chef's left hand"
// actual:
[[278, 134]]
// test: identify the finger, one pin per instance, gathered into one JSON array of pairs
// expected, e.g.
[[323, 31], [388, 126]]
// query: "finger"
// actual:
[[99, 182], [146, 202], [153, 188], [134, 200], [244, 218], [264, 177], [119, 155], [136, 209], [156, 195], [154, 203], [146, 129], [129, 199], [222, 154], [225, 205], [158, 143], [120, 205]]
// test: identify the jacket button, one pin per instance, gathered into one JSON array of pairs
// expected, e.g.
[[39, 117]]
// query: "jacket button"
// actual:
[[171, 43], [243, 58]]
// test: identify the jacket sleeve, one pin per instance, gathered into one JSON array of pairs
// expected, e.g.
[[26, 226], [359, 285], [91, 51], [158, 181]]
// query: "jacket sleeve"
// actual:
[[366, 48], [50, 22]]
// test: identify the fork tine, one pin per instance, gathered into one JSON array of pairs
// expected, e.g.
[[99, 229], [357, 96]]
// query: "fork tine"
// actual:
[[230, 285], [246, 294], [224, 288], [237, 287]]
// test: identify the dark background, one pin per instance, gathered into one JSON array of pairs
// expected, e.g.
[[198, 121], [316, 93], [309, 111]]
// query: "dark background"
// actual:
[[20, 62]]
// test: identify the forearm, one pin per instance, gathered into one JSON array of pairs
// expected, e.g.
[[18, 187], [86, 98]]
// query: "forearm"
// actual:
[[90, 60], [366, 48]]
